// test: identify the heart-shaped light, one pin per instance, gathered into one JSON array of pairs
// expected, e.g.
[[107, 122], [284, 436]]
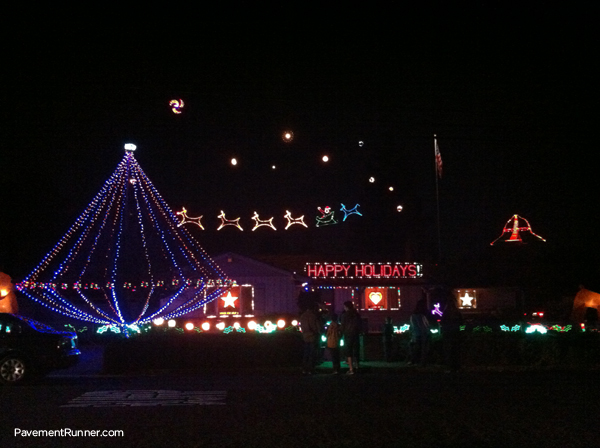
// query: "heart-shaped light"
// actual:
[[375, 297]]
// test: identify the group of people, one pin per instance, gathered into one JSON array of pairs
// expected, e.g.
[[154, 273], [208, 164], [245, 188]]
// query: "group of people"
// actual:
[[348, 328], [421, 325]]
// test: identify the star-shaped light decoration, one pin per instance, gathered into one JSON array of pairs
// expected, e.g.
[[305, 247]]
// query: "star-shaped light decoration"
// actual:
[[352, 211], [260, 222], [229, 300], [229, 222], [291, 221], [185, 219], [467, 301]]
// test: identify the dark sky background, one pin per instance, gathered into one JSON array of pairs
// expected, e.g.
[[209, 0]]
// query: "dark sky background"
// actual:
[[510, 93]]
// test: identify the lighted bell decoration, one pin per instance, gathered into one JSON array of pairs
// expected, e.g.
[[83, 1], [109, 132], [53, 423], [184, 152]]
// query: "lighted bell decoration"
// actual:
[[512, 231]]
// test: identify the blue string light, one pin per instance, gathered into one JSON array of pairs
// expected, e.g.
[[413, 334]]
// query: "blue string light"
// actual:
[[125, 261]]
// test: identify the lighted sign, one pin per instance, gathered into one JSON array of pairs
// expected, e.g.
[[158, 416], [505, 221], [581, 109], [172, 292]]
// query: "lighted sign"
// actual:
[[364, 270]]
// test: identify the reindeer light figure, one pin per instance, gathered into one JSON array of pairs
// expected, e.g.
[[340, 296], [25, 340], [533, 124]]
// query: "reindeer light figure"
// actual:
[[229, 222], [352, 211], [260, 223], [185, 219], [291, 221]]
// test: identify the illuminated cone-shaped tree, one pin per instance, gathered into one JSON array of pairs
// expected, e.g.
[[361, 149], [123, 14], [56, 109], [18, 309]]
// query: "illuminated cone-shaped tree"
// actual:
[[125, 261]]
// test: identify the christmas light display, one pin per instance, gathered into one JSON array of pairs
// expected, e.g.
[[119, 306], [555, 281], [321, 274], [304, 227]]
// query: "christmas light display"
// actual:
[[467, 301], [228, 222], [125, 260], [536, 328], [327, 217], [185, 219], [229, 300], [176, 106], [363, 270], [352, 211], [511, 233], [291, 221], [262, 223]]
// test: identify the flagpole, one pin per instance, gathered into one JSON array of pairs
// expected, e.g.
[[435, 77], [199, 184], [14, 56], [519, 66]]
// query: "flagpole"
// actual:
[[437, 195]]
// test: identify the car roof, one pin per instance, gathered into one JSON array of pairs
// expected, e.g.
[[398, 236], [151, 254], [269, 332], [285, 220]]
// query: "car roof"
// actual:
[[36, 325]]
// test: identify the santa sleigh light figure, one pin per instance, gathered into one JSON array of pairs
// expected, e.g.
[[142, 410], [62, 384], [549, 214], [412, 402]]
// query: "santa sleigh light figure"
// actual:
[[512, 231]]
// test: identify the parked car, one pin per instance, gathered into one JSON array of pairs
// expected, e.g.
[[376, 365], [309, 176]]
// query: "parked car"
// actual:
[[29, 348]]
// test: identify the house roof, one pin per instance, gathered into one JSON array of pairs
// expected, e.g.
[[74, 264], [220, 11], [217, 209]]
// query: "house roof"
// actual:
[[236, 265]]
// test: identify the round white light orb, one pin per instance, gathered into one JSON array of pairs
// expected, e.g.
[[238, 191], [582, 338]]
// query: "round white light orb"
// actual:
[[325, 158], [171, 323], [399, 208], [159, 321], [234, 161], [280, 323], [205, 326], [371, 179], [189, 326]]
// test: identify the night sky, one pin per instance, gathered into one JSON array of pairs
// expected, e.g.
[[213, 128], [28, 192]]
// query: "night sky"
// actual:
[[508, 92]]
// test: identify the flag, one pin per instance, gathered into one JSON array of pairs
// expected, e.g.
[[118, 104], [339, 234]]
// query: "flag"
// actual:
[[438, 159]]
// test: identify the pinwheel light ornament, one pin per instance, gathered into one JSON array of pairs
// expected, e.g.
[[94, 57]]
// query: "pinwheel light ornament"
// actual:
[[176, 106], [126, 260]]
